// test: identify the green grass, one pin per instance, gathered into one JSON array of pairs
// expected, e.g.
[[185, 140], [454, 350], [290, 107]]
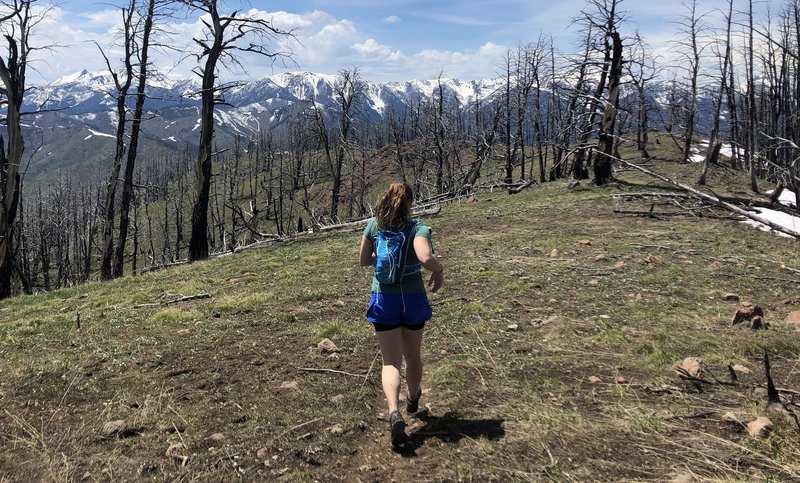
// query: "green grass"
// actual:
[[217, 365]]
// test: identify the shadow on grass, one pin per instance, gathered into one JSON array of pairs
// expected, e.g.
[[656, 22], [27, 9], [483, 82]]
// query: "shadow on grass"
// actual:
[[450, 428]]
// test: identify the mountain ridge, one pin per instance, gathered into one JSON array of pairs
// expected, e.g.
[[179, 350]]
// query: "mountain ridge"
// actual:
[[80, 107]]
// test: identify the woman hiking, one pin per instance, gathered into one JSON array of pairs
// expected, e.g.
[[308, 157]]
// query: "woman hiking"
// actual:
[[398, 306]]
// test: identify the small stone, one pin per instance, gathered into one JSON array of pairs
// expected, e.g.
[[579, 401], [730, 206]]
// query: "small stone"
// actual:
[[604, 316], [748, 313], [758, 323], [217, 437], [336, 429], [619, 379], [595, 380], [262, 453], [652, 260], [793, 318], [289, 386], [334, 355], [554, 253], [337, 399], [740, 369], [692, 365], [326, 346], [619, 264], [760, 428], [731, 297], [512, 327], [115, 427], [339, 303], [585, 242], [552, 301]]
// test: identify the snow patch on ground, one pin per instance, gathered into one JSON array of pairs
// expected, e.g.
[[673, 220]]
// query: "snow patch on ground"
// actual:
[[101, 134], [791, 222], [699, 154]]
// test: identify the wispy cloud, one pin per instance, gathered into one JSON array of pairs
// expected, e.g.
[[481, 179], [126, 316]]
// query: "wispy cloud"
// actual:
[[459, 20], [391, 19]]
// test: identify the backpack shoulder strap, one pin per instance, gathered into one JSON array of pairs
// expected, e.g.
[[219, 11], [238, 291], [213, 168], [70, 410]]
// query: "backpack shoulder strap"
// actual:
[[408, 239]]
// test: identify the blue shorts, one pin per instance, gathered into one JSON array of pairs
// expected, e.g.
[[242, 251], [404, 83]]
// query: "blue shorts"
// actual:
[[388, 311]]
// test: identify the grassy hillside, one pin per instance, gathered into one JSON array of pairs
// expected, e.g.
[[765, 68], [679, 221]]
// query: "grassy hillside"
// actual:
[[550, 356]]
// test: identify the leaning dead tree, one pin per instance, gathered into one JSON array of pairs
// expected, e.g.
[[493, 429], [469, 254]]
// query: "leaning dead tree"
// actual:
[[226, 37]]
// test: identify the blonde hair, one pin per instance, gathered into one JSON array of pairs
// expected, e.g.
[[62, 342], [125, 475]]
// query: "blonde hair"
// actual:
[[393, 209]]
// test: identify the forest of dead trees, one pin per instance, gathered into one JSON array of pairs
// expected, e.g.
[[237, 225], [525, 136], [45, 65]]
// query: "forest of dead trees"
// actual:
[[554, 116]]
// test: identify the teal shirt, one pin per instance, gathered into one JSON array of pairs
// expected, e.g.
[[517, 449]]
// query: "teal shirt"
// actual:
[[411, 283]]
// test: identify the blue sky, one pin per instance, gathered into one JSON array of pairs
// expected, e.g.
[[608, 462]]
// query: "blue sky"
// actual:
[[387, 40]]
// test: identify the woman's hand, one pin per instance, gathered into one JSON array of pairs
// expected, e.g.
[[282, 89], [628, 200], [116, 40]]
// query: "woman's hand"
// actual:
[[436, 281]]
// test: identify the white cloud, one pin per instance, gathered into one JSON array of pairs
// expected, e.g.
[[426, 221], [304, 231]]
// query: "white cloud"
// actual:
[[372, 50], [321, 43], [392, 19]]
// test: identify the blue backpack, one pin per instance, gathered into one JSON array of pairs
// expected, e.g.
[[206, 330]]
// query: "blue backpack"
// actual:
[[391, 251]]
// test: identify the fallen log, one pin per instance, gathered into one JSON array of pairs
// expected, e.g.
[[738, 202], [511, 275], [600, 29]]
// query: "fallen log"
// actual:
[[713, 199], [352, 224], [188, 298]]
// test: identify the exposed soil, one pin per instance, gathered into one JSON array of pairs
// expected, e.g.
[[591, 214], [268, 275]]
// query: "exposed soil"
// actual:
[[545, 291]]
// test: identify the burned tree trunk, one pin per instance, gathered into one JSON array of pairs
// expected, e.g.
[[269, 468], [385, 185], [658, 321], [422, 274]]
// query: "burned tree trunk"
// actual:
[[130, 163], [605, 146]]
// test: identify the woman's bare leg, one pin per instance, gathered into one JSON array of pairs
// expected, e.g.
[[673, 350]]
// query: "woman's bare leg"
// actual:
[[391, 344], [412, 342]]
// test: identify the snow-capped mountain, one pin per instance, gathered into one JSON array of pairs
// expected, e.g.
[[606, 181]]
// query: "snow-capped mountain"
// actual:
[[74, 118]]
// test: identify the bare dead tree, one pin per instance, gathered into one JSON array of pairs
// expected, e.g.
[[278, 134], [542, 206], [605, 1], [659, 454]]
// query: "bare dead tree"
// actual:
[[348, 90], [226, 37], [713, 144], [121, 86], [693, 27], [605, 144], [751, 149], [641, 69], [142, 53], [18, 21]]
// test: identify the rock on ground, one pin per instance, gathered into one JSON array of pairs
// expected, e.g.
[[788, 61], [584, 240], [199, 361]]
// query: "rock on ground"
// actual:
[[760, 427]]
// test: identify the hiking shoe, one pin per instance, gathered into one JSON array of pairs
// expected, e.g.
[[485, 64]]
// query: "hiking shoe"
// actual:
[[412, 405], [398, 428]]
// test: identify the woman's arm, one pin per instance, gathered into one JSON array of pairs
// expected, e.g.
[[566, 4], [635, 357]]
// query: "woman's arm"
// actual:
[[422, 247], [366, 255]]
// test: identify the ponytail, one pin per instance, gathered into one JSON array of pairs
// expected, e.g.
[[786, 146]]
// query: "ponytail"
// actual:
[[393, 209]]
